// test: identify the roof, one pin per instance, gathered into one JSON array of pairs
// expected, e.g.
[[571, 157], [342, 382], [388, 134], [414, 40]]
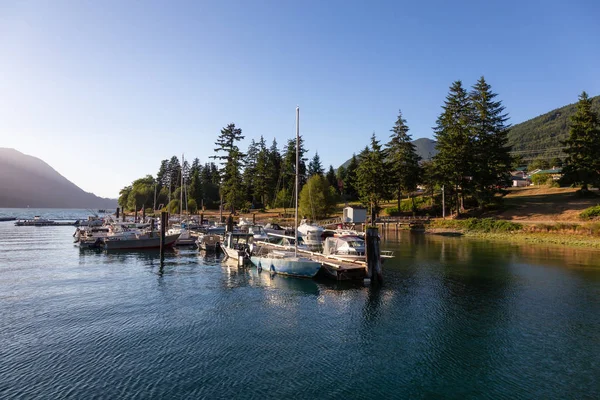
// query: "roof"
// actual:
[[548, 171], [517, 178], [523, 169]]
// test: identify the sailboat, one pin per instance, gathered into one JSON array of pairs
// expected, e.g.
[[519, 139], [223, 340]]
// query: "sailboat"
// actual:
[[286, 262]]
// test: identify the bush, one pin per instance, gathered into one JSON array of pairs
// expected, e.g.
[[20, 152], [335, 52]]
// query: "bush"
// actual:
[[591, 212], [540, 179], [480, 225]]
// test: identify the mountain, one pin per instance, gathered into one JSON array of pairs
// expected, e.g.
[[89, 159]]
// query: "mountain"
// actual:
[[541, 136], [29, 181], [425, 148]]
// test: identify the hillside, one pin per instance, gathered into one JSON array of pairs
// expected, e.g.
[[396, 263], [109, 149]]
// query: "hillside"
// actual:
[[541, 136], [28, 181], [425, 148]]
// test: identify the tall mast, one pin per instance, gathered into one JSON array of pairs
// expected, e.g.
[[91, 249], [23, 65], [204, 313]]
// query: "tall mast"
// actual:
[[181, 191], [296, 191]]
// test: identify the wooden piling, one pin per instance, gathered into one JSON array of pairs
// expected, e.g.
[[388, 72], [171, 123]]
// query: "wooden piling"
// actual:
[[253, 218], [164, 219], [117, 214], [143, 213], [135, 215], [152, 227], [229, 226], [374, 273]]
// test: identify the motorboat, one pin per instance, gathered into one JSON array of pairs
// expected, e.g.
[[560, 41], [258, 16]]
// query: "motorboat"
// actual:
[[238, 245]]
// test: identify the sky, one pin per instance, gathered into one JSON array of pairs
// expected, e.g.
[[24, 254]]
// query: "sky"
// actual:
[[104, 90]]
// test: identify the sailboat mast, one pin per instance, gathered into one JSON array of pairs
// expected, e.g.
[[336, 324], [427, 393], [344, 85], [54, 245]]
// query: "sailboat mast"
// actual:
[[181, 191], [296, 191]]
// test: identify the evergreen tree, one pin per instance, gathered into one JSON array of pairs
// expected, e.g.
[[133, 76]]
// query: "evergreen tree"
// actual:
[[341, 176], [261, 176], [174, 171], [274, 172], [288, 167], [350, 183], [232, 161], [371, 175], [195, 192], [404, 171], [332, 178], [492, 159], [250, 171], [582, 164], [315, 167], [210, 186], [162, 177], [453, 133]]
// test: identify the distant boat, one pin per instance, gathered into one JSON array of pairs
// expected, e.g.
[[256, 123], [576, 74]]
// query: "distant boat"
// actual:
[[38, 221], [238, 245], [288, 262], [136, 240]]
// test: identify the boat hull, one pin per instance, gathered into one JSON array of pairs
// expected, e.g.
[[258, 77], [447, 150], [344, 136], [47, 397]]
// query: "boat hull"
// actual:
[[146, 243], [291, 266]]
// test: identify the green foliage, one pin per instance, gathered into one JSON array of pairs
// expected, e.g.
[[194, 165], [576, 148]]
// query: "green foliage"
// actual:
[[540, 179], [124, 195], [192, 206], [283, 199], [315, 166], [410, 205], [542, 136], [402, 159], [582, 165], [371, 175], [478, 225], [317, 200], [590, 213], [173, 207]]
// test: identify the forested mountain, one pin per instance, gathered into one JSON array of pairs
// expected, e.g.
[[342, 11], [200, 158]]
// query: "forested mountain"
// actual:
[[425, 149], [540, 137], [28, 181]]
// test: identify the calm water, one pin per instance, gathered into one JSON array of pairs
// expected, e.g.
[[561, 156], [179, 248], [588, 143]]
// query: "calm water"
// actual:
[[454, 319]]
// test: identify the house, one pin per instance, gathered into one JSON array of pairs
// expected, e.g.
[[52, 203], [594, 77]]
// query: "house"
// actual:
[[554, 172], [519, 181], [355, 215]]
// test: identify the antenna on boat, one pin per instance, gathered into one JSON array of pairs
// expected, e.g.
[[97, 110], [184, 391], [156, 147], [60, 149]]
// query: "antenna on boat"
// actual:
[[297, 163]]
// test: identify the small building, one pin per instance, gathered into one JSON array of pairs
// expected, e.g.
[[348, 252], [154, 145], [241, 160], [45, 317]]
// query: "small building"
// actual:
[[355, 215], [519, 181], [555, 173]]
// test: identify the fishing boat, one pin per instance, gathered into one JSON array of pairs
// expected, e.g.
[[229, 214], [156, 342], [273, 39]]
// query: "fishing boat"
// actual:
[[346, 247], [138, 240], [209, 241], [238, 245], [312, 235], [282, 261]]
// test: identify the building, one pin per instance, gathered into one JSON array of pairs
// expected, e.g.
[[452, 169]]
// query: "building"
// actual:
[[354, 215]]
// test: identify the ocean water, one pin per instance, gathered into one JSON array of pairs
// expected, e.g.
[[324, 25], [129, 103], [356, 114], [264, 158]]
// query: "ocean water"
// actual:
[[455, 318]]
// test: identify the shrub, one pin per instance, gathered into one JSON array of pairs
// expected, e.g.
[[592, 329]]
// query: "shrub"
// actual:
[[540, 179], [591, 212]]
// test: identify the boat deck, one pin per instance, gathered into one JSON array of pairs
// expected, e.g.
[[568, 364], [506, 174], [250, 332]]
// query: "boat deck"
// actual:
[[335, 266]]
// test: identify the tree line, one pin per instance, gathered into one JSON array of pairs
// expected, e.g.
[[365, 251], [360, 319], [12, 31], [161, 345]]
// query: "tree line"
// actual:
[[472, 166]]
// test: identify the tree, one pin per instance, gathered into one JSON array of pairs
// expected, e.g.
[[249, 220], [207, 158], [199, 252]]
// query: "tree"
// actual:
[[315, 166], [454, 136], [261, 175], [582, 164], [124, 196], [288, 167], [232, 160], [492, 159], [192, 206], [317, 198], [404, 171], [274, 172], [538, 163], [371, 176], [332, 178], [350, 183], [142, 193], [250, 171]]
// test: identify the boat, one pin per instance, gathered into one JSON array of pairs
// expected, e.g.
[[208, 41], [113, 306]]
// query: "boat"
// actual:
[[346, 247], [312, 235], [209, 242], [39, 221], [272, 227], [282, 261], [238, 245], [138, 240]]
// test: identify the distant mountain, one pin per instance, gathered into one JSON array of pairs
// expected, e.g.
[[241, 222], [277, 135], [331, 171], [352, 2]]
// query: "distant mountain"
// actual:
[[541, 136], [29, 181], [425, 148]]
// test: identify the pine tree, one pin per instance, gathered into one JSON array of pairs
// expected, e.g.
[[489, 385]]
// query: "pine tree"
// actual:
[[404, 171], [371, 176], [232, 161], [315, 167], [274, 173], [332, 178], [454, 136], [288, 167], [174, 170], [582, 164], [492, 159], [261, 176], [350, 183], [250, 171]]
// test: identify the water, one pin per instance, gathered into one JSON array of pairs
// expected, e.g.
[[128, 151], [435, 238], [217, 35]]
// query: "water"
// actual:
[[454, 319]]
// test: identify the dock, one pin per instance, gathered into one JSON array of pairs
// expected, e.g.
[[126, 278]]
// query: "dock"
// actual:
[[4, 219]]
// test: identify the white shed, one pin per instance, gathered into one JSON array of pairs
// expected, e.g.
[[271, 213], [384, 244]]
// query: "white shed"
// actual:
[[354, 215]]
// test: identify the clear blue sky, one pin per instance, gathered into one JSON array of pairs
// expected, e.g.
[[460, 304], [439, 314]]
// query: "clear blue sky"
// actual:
[[103, 90]]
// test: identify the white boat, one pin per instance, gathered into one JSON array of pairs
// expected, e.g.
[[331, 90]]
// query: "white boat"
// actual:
[[312, 235], [238, 245], [137, 240], [288, 262], [345, 247], [209, 241]]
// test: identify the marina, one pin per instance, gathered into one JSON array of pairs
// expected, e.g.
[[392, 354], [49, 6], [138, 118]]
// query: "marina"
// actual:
[[74, 321]]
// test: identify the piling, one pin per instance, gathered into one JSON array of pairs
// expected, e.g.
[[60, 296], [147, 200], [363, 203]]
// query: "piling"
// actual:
[[151, 227], [374, 273], [144, 213], [117, 214], [253, 218], [135, 215], [164, 219], [201, 218], [229, 226]]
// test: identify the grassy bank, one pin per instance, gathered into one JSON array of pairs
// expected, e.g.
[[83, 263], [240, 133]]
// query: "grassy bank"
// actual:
[[560, 233]]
